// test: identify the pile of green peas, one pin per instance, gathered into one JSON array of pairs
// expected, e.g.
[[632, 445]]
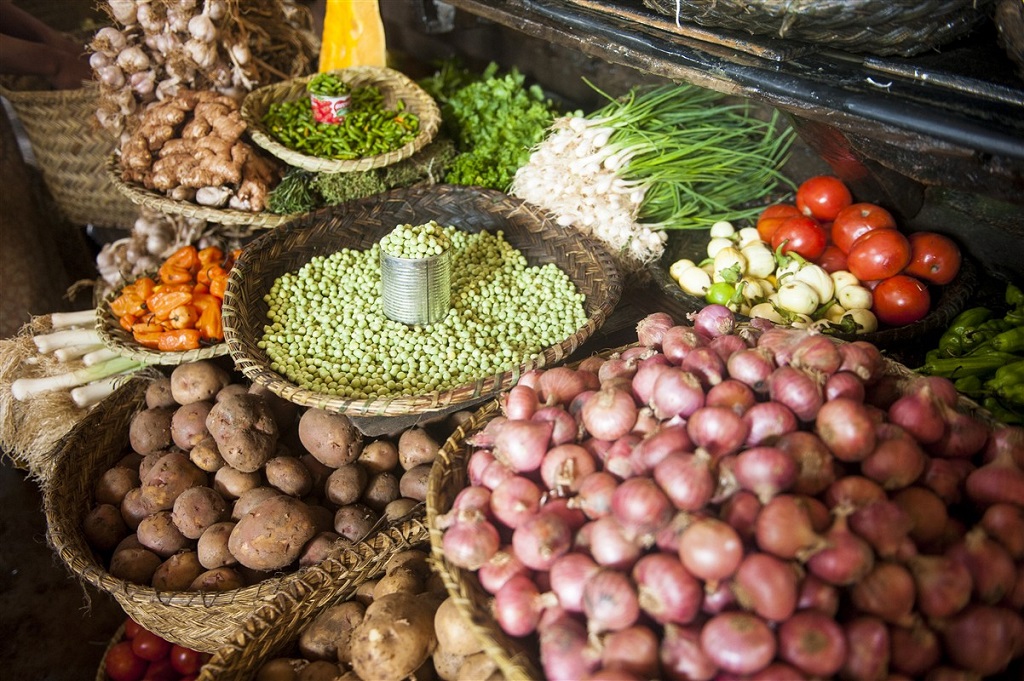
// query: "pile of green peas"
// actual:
[[416, 241], [327, 331]]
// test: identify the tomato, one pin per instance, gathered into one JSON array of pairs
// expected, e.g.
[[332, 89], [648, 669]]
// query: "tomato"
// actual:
[[878, 254], [900, 300], [773, 216], [822, 197], [131, 628], [832, 260], [185, 660], [801, 235], [149, 646], [853, 221], [933, 257], [121, 664], [161, 670]]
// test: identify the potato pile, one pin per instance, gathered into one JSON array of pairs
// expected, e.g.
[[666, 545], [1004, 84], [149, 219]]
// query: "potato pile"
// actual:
[[400, 626], [227, 483]]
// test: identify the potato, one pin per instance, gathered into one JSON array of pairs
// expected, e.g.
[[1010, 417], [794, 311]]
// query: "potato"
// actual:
[[177, 572], [272, 535], [354, 521], [321, 670], [212, 548], [281, 669], [454, 633], [413, 483], [158, 393], [219, 579], [131, 461], [188, 424], [206, 456], [479, 667], [414, 559], [319, 471], [394, 639], [379, 455], [318, 548], [104, 527], [329, 437], [381, 490], [346, 484], [130, 542], [133, 508], [171, 475], [136, 565], [149, 460], [114, 484], [327, 637], [196, 509], [364, 592], [446, 663], [150, 430], [402, 579], [399, 508], [197, 381], [229, 390], [289, 475], [245, 431], [252, 498], [415, 447], [285, 411], [233, 483], [457, 419], [158, 533]]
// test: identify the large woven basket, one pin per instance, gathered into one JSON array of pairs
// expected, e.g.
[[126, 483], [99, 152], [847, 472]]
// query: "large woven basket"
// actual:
[[71, 150], [881, 27], [394, 86], [202, 621], [360, 224]]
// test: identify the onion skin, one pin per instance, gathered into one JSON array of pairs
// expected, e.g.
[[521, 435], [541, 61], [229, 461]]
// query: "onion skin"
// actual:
[[946, 477], [784, 529], [710, 549], [992, 570], [816, 466], [867, 641], [1005, 440], [863, 359], [676, 393], [731, 394], [520, 402], [738, 642], [943, 585], [565, 652], [539, 540], [565, 466], [895, 463], [568, 574], [666, 591], [965, 436], [751, 366], [887, 592], [686, 479], [984, 638], [611, 545], [920, 415], [468, 544], [706, 364], [765, 471], [846, 557], [816, 594], [682, 657], [609, 601], [609, 414], [521, 444], [651, 329], [845, 427], [503, 566], [767, 586], [812, 642], [718, 430], [1005, 523], [559, 385], [678, 341], [641, 508], [845, 384], [914, 650], [798, 391], [998, 481], [817, 353], [594, 496], [655, 447], [883, 524], [518, 606], [633, 650], [713, 320], [741, 511], [514, 500], [927, 513]]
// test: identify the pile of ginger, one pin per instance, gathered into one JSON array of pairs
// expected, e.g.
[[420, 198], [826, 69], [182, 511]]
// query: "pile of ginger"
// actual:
[[190, 148]]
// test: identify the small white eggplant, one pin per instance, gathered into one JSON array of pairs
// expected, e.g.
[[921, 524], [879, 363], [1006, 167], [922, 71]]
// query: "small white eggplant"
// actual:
[[842, 278], [677, 268], [818, 279], [695, 281], [730, 260], [796, 296], [865, 320], [855, 297], [760, 259], [722, 228], [766, 311], [718, 243], [748, 235]]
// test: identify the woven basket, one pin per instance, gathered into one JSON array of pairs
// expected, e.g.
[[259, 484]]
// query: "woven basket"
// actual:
[[1009, 19], [881, 27], [202, 621], [71, 150], [360, 224], [394, 86]]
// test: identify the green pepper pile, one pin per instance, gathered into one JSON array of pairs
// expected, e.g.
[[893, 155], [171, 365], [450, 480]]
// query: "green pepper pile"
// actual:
[[983, 354]]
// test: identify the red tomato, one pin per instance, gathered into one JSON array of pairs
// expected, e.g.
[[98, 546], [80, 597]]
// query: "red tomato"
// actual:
[[131, 627], [121, 664], [801, 235], [879, 254], [773, 216], [933, 257], [161, 670], [832, 260], [900, 300], [822, 197], [149, 646], [185, 660], [857, 219]]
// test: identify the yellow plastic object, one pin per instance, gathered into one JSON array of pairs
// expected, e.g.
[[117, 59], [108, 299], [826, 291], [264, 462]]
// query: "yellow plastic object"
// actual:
[[353, 35]]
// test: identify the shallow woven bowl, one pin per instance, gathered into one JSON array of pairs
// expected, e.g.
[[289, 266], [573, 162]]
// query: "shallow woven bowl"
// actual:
[[394, 86], [947, 301], [202, 621], [360, 224]]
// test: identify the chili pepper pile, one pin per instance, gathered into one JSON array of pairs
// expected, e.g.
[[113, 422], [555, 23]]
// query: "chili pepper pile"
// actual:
[[983, 353], [180, 309]]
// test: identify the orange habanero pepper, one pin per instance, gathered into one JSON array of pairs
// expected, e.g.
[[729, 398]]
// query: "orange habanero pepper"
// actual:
[[127, 321], [174, 275], [210, 254], [211, 324], [128, 303], [183, 317], [162, 302], [205, 300], [147, 340], [186, 257], [178, 340], [143, 287], [218, 286]]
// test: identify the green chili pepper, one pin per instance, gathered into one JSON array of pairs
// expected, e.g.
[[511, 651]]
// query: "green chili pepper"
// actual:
[[1014, 295], [1002, 412], [970, 385], [1009, 341], [1007, 375], [973, 365], [951, 341]]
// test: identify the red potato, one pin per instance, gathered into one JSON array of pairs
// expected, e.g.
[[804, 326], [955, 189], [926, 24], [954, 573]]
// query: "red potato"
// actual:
[[381, 490], [196, 509], [329, 634], [289, 475], [272, 535], [413, 484], [219, 579], [330, 438], [346, 484], [395, 637], [171, 475], [158, 533], [245, 431], [104, 527], [199, 380], [114, 484], [158, 393], [379, 455], [188, 424], [206, 456], [150, 430], [416, 447], [212, 547], [134, 564], [178, 572], [233, 483]]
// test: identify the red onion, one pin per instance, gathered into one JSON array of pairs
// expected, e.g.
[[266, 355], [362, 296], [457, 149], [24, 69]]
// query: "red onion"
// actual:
[[706, 365], [817, 353], [540, 539], [565, 429], [678, 341], [1008, 440], [594, 497], [1005, 523], [984, 639], [682, 657], [638, 353], [616, 367], [591, 364], [568, 574], [767, 421], [676, 393], [943, 585], [633, 650], [784, 529], [946, 477], [499, 569], [846, 428], [885, 391], [887, 592], [518, 605], [964, 437], [713, 320], [816, 594], [686, 479], [667, 592], [767, 586], [1000, 480], [883, 524], [731, 394], [642, 508], [495, 473], [920, 415], [846, 557], [710, 549], [659, 444], [726, 345], [738, 642], [914, 650], [519, 403], [566, 652], [741, 511], [812, 642], [609, 414], [514, 500], [468, 544], [618, 460], [862, 359], [751, 366], [469, 501], [765, 471], [531, 378], [844, 384], [573, 517], [478, 462], [668, 538], [717, 430], [558, 385], [819, 514], [614, 674], [646, 422], [993, 573], [651, 329], [565, 465], [719, 597], [779, 671], [647, 372], [928, 514], [797, 390], [851, 492], [609, 601], [895, 463], [611, 545], [867, 649], [484, 437], [780, 342], [521, 444]]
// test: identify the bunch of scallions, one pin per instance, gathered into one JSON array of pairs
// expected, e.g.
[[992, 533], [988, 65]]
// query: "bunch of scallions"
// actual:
[[659, 158]]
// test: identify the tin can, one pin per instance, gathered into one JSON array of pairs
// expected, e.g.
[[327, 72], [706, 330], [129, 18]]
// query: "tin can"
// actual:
[[416, 290], [330, 109]]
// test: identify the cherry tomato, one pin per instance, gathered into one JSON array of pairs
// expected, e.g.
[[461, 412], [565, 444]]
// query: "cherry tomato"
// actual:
[[149, 646], [801, 235], [121, 664], [933, 257], [185, 660], [878, 254], [131, 628], [832, 260], [822, 197], [900, 300], [773, 216], [161, 670], [853, 221]]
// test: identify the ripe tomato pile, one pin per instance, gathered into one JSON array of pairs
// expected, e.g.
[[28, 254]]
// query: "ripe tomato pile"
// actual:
[[826, 227], [145, 656]]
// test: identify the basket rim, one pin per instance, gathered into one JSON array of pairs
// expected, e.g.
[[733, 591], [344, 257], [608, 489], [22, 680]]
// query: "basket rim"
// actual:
[[256, 369], [389, 80]]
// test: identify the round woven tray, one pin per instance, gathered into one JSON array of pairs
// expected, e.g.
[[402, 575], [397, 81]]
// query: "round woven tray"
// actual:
[[202, 621], [394, 86], [121, 341], [360, 224], [881, 27], [948, 303]]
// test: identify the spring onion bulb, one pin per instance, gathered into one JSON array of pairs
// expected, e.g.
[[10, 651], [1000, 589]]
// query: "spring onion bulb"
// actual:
[[60, 320], [48, 342], [92, 393], [27, 388], [70, 352], [98, 356]]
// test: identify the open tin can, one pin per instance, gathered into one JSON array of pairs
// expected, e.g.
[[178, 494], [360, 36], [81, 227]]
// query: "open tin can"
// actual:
[[416, 291]]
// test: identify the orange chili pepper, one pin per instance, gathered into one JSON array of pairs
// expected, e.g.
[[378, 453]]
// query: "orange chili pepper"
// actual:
[[143, 287], [170, 274], [178, 340], [174, 288], [186, 257], [148, 340], [161, 303], [218, 286], [128, 303], [127, 321], [183, 317], [211, 325], [210, 254], [204, 300], [200, 289], [146, 327]]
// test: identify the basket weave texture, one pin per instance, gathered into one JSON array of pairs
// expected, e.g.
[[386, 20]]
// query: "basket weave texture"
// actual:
[[71, 150], [202, 621], [881, 27], [360, 224], [394, 86]]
